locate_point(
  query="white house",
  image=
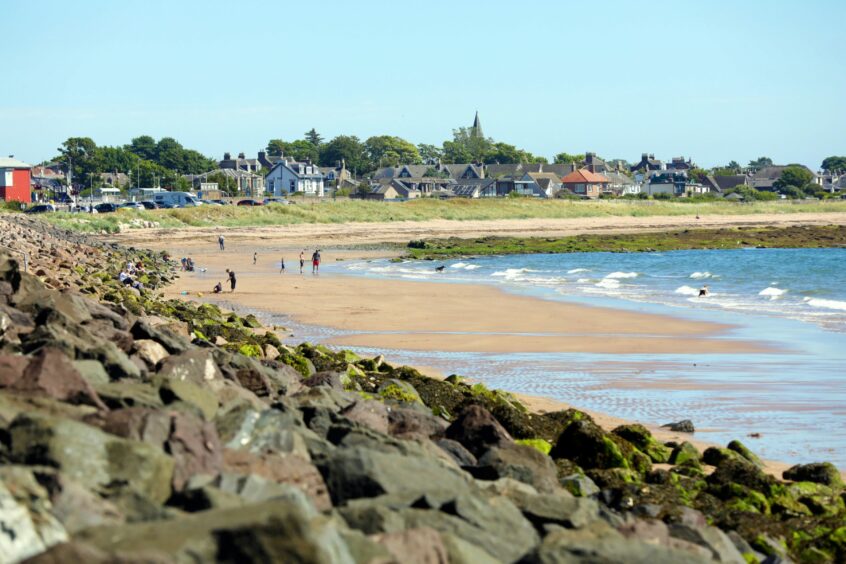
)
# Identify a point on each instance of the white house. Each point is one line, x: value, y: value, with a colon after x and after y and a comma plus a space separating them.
x: 288, y: 176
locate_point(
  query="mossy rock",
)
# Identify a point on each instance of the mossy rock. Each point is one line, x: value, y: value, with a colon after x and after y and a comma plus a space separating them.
x: 717, y: 455
x: 742, y: 450
x: 642, y: 439
x: 399, y: 391
x: 252, y: 321
x: 614, y: 478
x: 540, y: 445
x: 586, y: 444
x: 690, y: 468
x: 298, y: 362
x: 819, y: 472
x: 350, y: 357
x: 685, y: 453
x: 253, y: 351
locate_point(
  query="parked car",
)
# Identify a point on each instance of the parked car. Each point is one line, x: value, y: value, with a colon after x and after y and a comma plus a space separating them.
x: 82, y: 208
x: 281, y: 201
x: 106, y: 208
x: 149, y: 205
x: 249, y: 203
x: 132, y: 206
x: 42, y: 208
x: 169, y: 205
x: 220, y: 202
x: 182, y: 199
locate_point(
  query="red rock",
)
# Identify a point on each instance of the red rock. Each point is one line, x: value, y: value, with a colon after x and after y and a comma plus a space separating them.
x: 51, y: 373
x: 195, y: 448
x: 11, y: 369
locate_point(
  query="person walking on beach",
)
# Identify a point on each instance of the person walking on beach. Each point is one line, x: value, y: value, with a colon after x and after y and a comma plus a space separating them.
x: 282, y: 265
x: 255, y: 256
x: 220, y: 241
x: 703, y: 291
x: 302, y: 260
x: 315, y: 262
x: 231, y: 279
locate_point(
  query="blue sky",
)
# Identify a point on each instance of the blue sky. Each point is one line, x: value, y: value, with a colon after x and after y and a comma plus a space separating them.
x: 716, y: 80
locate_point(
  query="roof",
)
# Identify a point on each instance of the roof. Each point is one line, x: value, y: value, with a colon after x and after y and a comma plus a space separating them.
x: 496, y: 170
x: 10, y: 162
x: 538, y: 176
x: 618, y: 178
x: 583, y: 176
x: 726, y: 182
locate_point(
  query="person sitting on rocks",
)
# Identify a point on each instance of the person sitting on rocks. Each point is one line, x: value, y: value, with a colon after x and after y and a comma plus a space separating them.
x: 218, y: 288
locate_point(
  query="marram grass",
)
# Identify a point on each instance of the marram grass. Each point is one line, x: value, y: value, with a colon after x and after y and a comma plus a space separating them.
x: 346, y: 211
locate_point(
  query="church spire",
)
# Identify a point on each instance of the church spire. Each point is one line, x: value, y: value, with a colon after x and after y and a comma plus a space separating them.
x: 476, y: 130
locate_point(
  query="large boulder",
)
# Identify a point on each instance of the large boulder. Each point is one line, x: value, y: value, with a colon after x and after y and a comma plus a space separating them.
x: 53, y: 374
x: 586, y: 444
x: 642, y: 439
x: 477, y: 430
x: 27, y: 525
x: 819, y: 472
x: 352, y: 473
x: 274, y: 531
x: 520, y: 462
x: 90, y: 456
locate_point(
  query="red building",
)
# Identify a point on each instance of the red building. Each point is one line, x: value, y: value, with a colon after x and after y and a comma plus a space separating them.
x: 15, y: 181
x: 585, y: 183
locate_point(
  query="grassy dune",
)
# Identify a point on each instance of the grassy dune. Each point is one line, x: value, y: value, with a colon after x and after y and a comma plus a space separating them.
x: 344, y: 211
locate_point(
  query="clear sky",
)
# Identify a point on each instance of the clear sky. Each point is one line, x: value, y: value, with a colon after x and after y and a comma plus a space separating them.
x: 716, y: 80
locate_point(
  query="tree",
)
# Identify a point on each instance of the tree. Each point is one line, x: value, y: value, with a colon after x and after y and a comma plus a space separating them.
x: 224, y: 183
x: 313, y: 137
x: 276, y: 147
x: 115, y: 159
x: 698, y: 174
x: 81, y: 154
x: 387, y: 150
x: 725, y: 171
x: 503, y: 153
x: 834, y: 163
x: 797, y: 176
x: 169, y: 153
x: 566, y: 158
x: 735, y: 166
x: 144, y: 146
x: 760, y: 163
x: 466, y: 146
x: 299, y: 150
x: 430, y: 154
x: 348, y: 148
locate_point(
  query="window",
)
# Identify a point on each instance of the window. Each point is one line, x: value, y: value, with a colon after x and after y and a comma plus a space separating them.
x: 293, y: 186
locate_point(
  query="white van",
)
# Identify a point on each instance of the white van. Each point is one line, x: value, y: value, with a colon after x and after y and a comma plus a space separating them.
x: 183, y: 199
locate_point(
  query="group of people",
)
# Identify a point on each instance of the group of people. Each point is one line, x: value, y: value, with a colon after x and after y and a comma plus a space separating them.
x: 128, y: 277
x: 188, y: 264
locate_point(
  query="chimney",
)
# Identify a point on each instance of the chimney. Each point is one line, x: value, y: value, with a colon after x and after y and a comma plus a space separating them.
x: 241, y: 156
x: 262, y: 156
x: 227, y: 156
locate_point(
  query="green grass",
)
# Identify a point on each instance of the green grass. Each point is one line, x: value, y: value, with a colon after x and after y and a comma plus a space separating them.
x: 344, y: 211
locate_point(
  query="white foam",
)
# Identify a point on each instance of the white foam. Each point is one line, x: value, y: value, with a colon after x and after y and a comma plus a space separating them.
x: 700, y: 275
x: 584, y: 281
x: 618, y: 275
x: 577, y: 270
x: 609, y: 283
x: 458, y: 265
x: 772, y: 293
x: 471, y: 267
x: 826, y: 304
x: 512, y: 273
x: 687, y: 291
x: 464, y: 266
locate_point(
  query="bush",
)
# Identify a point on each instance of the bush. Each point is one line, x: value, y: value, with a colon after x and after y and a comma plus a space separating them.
x: 662, y: 196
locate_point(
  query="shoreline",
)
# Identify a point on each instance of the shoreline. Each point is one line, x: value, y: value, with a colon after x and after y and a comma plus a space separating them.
x: 317, y: 299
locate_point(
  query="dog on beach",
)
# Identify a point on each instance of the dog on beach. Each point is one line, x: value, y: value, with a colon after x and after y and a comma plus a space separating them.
x: 440, y: 268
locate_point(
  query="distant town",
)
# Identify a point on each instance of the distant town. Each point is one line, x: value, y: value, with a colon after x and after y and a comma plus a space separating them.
x: 389, y: 168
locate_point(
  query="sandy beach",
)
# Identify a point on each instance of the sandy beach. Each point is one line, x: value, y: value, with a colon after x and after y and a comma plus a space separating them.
x: 429, y: 316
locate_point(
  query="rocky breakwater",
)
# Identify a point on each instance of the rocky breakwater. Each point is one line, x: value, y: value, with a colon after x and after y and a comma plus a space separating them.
x: 140, y: 430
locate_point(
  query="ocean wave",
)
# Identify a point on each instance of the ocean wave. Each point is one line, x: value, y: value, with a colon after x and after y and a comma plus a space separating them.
x: 687, y: 291
x: 772, y: 293
x: 464, y: 266
x: 608, y: 283
x: 577, y: 270
x: 700, y: 275
x: 618, y: 275
x: 826, y: 304
x: 584, y: 281
x: 512, y: 273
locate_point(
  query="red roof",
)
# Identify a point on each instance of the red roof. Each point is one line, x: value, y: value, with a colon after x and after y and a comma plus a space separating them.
x: 584, y: 176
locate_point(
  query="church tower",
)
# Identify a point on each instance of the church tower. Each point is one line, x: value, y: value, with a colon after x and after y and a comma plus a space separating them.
x: 476, y: 129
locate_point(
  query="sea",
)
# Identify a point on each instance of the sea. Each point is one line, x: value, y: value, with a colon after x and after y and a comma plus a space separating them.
x: 787, y: 404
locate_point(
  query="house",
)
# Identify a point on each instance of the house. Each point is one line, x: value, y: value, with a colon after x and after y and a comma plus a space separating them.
x: 594, y: 163
x: 247, y: 183
x: 621, y: 184
x: 425, y: 184
x: 678, y: 163
x: 48, y: 178
x: 335, y: 175
x: 674, y: 182
x: 114, y: 179
x: 541, y: 184
x: 765, y: 178
x: 585, y: 183
x: 288, y: 177
x: 725, y: 182
x: 387, y: 190
x: 240, y: 163
x: 647, y: 163
x: 475, y: 188
x: 15, y: 180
